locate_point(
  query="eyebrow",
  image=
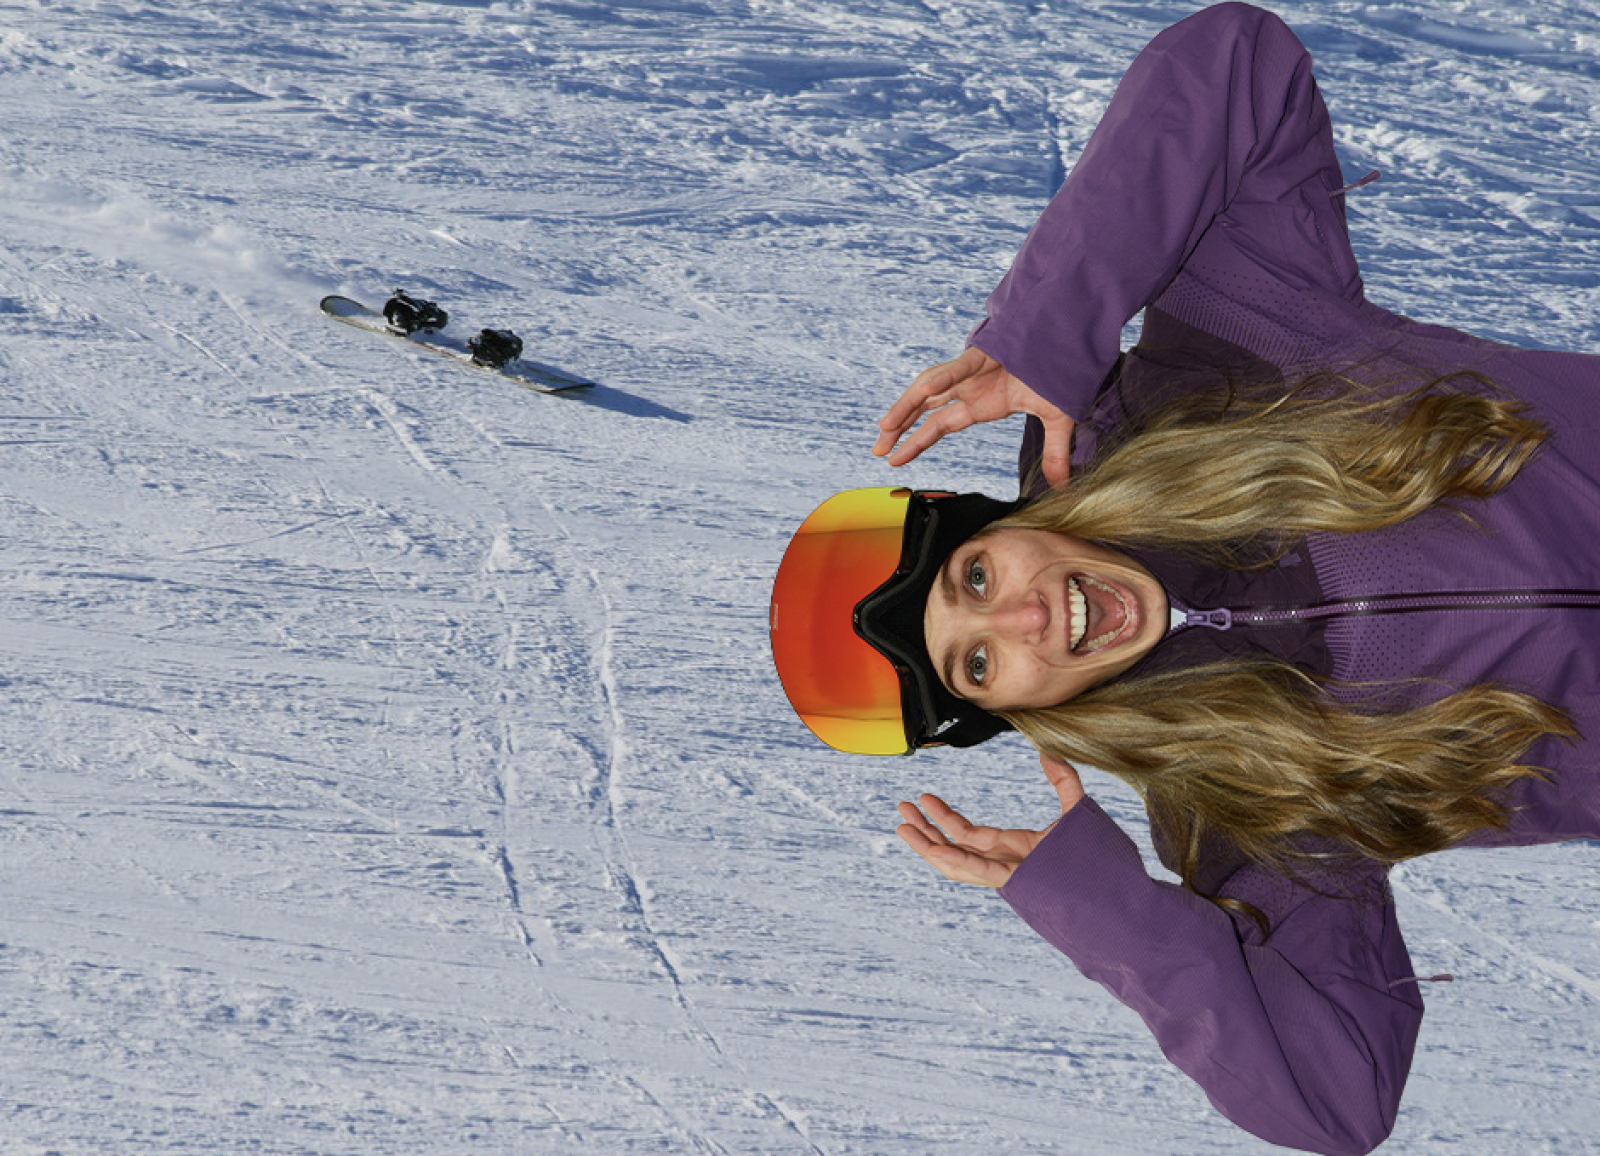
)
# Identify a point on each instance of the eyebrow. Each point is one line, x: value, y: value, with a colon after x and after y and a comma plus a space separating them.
x: 948, y: 589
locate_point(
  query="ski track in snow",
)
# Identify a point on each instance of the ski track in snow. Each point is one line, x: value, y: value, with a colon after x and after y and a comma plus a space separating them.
x: 394, y: 760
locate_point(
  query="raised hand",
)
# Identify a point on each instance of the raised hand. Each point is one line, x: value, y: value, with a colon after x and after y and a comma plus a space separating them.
x: 966, y: 853
x: 970, y: 389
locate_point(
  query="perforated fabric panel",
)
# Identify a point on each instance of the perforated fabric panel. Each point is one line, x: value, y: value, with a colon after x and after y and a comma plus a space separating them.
x: 1253, y: 311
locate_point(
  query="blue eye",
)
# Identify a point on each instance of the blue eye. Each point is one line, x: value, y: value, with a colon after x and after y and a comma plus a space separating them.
x: 978, y: 665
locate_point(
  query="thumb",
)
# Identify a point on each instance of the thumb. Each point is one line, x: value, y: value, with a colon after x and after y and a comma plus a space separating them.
x: 1055, y: 464
x: 1056, y: 461
x: 1064, y: 778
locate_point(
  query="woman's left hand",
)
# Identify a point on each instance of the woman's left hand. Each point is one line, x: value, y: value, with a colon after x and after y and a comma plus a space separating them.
x: 972, y: 388
x: 967, y: 853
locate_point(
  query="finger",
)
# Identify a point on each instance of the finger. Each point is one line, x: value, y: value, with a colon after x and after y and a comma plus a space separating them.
x: 948, y: 818
x: 953, y: 863
x: 948, y: 374
x: 906, y: 413
x: 946, y: 420
x: 913, y: 837
x: 904, y: 410
x: 917, y: 822
x: 1064, y: 778
x: 889, y: 435
x: 1054, y: 766
x: 956, y: 832
x: 930, y: 383
x: 937, y: 850
x: 1056, y: 461
x: 928, y: 388
x: 1057, y: 770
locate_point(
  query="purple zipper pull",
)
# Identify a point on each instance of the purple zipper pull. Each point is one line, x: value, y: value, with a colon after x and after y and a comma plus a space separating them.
x: 1183, y: 618
x: 1362, y: 183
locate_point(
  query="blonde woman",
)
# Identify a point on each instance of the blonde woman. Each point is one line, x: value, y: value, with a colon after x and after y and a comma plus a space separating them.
x: 1319, y: 581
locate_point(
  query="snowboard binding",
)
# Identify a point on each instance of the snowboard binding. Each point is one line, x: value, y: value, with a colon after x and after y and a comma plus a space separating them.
x: 495, y: 348
x: 408, y: 314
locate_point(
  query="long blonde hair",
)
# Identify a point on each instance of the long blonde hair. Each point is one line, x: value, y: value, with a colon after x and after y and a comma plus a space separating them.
x: 1254, y: 750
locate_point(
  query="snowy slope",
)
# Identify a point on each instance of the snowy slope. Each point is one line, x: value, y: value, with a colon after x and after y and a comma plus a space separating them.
x: 393, y: 762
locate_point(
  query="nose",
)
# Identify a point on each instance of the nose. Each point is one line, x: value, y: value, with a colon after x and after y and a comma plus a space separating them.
x: 1023, y: 618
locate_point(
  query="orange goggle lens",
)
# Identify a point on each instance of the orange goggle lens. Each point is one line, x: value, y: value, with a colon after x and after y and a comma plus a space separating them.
x: 843, y: 689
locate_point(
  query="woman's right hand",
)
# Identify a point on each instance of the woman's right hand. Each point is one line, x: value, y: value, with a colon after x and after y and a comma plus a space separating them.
x: 970, y: 389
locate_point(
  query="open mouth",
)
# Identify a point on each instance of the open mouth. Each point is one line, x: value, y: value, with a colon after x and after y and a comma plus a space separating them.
x: 1100, y: 614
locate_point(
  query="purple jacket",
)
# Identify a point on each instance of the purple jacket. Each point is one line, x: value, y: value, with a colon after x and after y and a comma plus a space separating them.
x: 1210, y: 194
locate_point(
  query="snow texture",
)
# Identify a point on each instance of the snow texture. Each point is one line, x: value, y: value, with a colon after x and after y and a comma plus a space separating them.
x: 393, y: 759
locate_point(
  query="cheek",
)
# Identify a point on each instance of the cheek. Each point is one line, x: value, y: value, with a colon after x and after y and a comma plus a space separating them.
x: 1032, y: 684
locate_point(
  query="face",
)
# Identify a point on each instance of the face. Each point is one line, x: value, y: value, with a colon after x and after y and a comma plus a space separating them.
x: 1031, y: 618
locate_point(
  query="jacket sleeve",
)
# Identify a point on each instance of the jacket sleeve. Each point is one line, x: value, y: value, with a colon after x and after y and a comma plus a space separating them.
x: 1217, y: 122
x: 1304, y: 1041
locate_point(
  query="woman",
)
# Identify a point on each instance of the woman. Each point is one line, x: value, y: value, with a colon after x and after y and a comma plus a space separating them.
x: 1319, y: 586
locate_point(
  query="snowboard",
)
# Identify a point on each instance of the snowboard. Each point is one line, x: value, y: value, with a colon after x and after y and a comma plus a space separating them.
x: 531, y: 374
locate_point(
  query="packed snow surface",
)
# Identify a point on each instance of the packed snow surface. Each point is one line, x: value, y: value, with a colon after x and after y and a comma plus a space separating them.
x: 393, y: 759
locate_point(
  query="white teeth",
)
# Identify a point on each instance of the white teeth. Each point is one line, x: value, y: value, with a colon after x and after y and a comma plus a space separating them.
x: 1078, y: 605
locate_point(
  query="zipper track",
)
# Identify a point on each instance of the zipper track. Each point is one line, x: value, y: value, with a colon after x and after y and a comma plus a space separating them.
x: 1224, y: 619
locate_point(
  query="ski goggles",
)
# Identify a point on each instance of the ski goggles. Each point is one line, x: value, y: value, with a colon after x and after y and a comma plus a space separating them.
x: 846, y: 620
